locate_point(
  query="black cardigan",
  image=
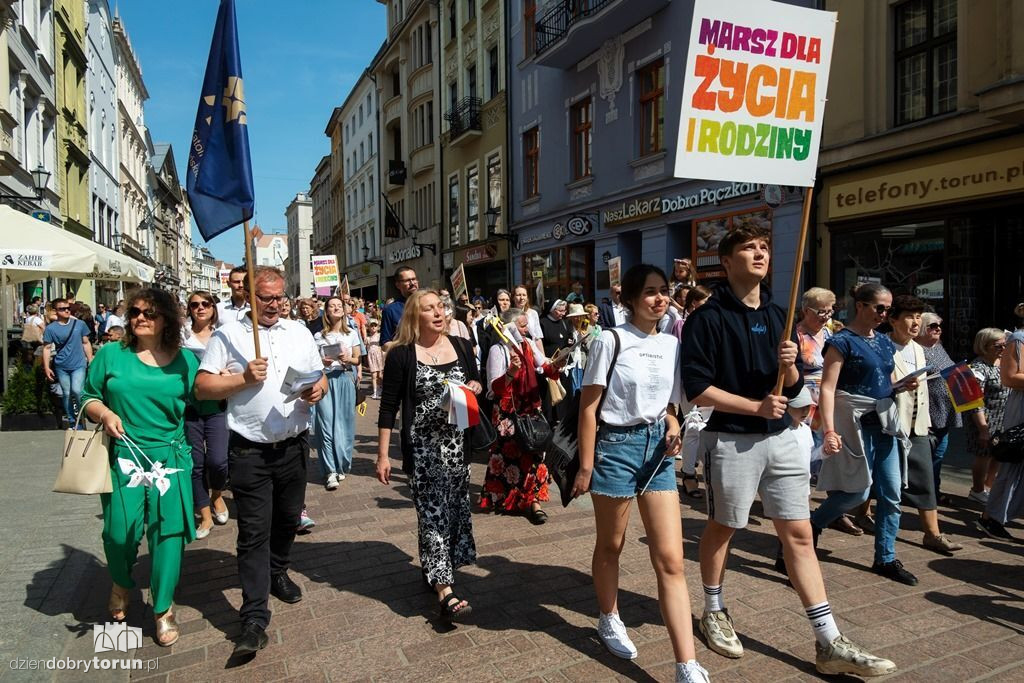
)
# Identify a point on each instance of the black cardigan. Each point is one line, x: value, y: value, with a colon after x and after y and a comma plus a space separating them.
x: 400, y: 391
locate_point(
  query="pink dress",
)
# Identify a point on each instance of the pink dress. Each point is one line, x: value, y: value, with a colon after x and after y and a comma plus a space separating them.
x: 374, y: 356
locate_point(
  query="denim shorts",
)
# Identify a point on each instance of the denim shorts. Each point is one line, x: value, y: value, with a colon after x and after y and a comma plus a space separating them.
x: 628, y: 460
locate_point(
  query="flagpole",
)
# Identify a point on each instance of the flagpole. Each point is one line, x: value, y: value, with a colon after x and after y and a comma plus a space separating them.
x: 801, y: 247
x: 252, y: 290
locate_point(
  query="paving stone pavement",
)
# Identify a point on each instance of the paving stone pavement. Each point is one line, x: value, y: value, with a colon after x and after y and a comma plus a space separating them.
x: 366, y: 617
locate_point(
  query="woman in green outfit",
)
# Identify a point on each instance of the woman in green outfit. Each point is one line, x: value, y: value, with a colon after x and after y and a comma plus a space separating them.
x: 139, y: 389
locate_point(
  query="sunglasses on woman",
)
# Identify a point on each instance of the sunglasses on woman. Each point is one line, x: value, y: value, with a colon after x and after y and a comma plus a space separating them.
x: 149, y: 314
x: 880, y: 309
x: 199, y: 304
x: 934, y: 326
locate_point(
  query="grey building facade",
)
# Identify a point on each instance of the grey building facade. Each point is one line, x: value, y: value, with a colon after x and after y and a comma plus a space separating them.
x: 594, y: 99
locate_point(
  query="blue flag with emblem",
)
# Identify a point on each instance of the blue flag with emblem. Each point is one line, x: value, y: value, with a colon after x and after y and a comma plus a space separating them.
x: 219, y: 182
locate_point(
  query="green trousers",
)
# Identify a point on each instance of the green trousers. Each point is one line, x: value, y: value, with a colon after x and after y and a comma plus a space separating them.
x: 130, y: 512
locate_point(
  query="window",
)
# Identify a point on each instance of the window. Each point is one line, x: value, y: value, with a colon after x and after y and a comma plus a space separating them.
x: 452, y: 26
x: 473, y: 203
x: 396, y: 83
x: 471, y: 81
x: 453, y: 211
x: 369, y: 183
x: 369, y: 108
x: 369, y: 143
x: 926, y: 59
x: 430, y: 122
x: 453, y: 96
x: 360, y: 114
x: 530, y: 27
x: 492, y: 72
x: 531, y: 160
x: 470, y: 9
x: 494, y: 187
x: 581, y: 123
x: 652, y: 107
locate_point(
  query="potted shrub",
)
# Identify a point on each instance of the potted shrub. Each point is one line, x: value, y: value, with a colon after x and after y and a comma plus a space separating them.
x: 26, y: 405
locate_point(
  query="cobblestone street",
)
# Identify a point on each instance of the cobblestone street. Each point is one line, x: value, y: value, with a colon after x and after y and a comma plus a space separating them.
x: 365, y: 615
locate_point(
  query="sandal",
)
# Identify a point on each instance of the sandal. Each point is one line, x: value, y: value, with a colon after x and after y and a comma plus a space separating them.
x: 537, y: 517
x: 118, y: 603
x: 845, y: 524
x: 695, y: 491
x: 450, y: 610
x: 166, y: 625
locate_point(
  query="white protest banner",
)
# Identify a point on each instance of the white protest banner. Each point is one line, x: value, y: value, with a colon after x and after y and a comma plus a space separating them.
x: 459, y: 287
x: 754, y: 92
x: 325, y: 274
x: 615, y: 271
x: 344, y: 290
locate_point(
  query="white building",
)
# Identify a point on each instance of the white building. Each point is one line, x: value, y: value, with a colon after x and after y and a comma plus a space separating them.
x: 204, y: 271
x: 298, y: 273
x: 362, y: 236
x: 271, y: 248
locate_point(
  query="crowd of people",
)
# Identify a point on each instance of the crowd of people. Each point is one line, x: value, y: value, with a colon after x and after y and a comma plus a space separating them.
x: 664, y: 369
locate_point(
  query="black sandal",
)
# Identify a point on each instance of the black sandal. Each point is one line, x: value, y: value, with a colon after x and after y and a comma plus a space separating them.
x: 695, y: 492
x: 451, y: 612
x: 537, y: 517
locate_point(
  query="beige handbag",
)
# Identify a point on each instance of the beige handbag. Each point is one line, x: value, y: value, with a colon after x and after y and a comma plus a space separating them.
x: 556, y: 392
x: 85, y: 465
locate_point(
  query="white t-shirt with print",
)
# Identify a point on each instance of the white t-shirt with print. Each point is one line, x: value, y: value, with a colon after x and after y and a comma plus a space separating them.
x: 348, y: 341
x: 645, y: 380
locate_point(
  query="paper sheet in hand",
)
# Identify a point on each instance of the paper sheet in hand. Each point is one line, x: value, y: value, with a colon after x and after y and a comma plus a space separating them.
x: 296, y: 382
x: 330, y: 351
x: 900, y: 383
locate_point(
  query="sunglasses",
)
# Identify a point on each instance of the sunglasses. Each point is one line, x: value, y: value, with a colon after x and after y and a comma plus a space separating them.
x: 149, y: 314
x: 934, y: 326
x: 199, y: 304
x: 999, y: 345
x: 824, y: 312
x: 880, y: 309
x: 62, y: 308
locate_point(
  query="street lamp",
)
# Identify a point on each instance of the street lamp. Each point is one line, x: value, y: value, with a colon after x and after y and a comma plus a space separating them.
x: 366, y: 257
x: 40, y: 178
x: 116, y: 239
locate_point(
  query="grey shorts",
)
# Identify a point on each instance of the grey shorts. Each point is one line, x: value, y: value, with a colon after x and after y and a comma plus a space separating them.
x: 737, y: 467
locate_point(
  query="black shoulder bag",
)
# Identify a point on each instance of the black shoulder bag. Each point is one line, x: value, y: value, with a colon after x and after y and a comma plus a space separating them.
x: 563, y: 457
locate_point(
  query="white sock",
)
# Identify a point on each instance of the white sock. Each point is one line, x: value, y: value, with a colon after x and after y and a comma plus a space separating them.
x: 713, y: 598
x: 823, y: 623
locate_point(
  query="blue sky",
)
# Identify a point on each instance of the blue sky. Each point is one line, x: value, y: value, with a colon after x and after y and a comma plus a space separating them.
x: 299, y: 61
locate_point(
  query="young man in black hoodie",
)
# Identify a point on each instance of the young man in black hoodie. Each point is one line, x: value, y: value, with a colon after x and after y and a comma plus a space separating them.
x: 732, y: 354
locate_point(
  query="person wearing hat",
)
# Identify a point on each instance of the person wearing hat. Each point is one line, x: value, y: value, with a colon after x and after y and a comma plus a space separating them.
x: 580, y: 321
x: 374, y: 356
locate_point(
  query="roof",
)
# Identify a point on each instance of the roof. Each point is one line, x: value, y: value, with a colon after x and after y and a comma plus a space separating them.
x: 268, y: 239
x: 160, y: 150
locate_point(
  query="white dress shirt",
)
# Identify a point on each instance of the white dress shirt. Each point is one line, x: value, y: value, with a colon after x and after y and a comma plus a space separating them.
x: 259, y: 412
x: 227, y: 312
x: 114, y: 320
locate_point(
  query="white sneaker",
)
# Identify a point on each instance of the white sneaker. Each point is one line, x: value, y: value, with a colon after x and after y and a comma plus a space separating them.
x: 332, y: 481
x: 691, y: 672
x: 613, y: 634
x: 341, y: 476
x: 980, y: 496
x: 716, y: 625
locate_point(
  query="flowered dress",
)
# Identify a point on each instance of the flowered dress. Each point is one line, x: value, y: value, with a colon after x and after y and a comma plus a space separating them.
x: 374, y: 356
x: 440, y: 478
x: 995, y: 402
x: 515, y: 480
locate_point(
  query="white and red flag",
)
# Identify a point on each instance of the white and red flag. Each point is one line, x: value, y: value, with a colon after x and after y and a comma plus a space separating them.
x: 463, y: 410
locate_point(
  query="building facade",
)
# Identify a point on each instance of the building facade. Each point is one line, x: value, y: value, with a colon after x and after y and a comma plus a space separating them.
x: 473, y: 141
x: 204, y: 271
x: 133, y: 151
x: 271, y: 248
x: 168, y: 221
x: 921, y: 172
x: 358, y: 122
x: 28, y: 111
x: 409, y: 150
x: 73, y: 159
x: 320, y: 196
x: 593, y: 107
x: 298, y: 273
x: 335, y: 132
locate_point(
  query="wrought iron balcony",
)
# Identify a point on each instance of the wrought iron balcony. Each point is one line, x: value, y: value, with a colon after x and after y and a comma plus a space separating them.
x: 572, y: 29
x: 465, y: 117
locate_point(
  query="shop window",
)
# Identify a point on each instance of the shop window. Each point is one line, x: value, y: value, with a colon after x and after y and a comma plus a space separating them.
x: 560, y: 268
x: 925, y: 59
x: 473, y: 203
x: 531, y: 161
x: 581, y: 122
x: 453, y: 211
x: 707, y: 233
x: 494, y: 188
x: 652, y: 107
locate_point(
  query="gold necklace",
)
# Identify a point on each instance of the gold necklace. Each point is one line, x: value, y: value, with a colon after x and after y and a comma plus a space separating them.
x: 427, y: 351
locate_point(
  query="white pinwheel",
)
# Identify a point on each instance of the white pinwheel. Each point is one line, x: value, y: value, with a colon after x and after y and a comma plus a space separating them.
x: 156, y: 475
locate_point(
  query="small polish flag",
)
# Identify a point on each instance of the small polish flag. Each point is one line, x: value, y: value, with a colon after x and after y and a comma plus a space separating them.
x: 463, y: 410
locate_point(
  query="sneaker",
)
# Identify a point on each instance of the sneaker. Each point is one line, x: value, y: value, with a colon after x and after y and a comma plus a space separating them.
x: 341, y: 476
x: 979, y: 496
x: 844, y: 657
x: 894, y: 570
x: 993, y: 529
x: 941, y: 544
x: 691, y: 672
x: 613, y: 634
x: 719, y: 632
x: 332, y: 482
x: 306, y: 522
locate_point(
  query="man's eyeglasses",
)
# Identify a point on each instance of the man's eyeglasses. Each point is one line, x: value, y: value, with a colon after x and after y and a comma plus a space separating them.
x: 266, y: 300
x: 934, y: 326
x: 61, y: 309
x: 148, y: 313
x: 199, y: 304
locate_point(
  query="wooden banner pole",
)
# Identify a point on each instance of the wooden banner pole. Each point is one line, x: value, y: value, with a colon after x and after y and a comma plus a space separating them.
x: 252, y: 290
x: 794, y: 286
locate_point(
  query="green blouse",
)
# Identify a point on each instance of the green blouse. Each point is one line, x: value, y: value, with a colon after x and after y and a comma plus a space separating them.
x: 149, y: 400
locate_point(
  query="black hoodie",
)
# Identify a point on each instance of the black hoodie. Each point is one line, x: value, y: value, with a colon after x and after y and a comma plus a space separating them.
x: 731, y: 346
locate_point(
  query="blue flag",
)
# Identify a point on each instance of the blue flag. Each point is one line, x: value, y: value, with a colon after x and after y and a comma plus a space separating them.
x: 219, y: 183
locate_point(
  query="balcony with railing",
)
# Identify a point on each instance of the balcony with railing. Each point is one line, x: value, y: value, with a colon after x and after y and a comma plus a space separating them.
x: 572, y: 29
x: 464, y: 121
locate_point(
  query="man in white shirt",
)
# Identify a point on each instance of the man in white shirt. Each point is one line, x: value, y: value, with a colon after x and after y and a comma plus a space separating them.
x: 267, y: 445
x: 237, y: 306
x: 116, y: 317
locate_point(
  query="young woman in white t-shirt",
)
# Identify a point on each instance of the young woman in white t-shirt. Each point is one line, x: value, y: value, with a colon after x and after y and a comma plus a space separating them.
x: 628, y: 452
x: 335, y: 415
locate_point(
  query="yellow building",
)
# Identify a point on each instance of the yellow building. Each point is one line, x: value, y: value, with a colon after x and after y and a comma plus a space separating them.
x: 921, y: 172
x: 72, y: 116
x: 473, y: 141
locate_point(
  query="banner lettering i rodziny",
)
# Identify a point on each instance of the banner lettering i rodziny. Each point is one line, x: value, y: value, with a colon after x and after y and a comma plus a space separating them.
x: 754, y: 92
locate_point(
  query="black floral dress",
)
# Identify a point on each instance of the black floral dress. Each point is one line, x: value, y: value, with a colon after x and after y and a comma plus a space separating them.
x: 995, y: 403
x: 440, y: 478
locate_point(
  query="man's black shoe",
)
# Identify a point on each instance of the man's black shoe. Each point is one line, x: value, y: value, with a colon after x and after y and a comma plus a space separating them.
x: 253, y: 639
x: 894, y: 570
x: 284, y: 589
x: 993, y: 529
